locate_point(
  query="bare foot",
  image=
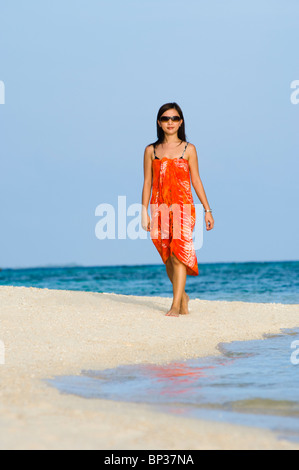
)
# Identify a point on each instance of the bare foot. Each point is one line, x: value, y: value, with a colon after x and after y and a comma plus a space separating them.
x: 184, y: 304
x: 173, y: 312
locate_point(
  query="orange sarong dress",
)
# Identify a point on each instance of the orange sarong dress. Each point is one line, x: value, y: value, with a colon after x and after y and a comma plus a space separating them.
x: 173, y: 211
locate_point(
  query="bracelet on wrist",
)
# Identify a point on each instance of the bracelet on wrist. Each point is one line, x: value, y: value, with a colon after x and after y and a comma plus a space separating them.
x: 209, y: 210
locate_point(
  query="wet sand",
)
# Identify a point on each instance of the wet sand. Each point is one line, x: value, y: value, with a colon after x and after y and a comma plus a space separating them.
x: 51, y: 332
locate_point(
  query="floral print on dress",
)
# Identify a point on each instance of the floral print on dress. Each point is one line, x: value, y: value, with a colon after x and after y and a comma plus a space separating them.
x: 173, y: 212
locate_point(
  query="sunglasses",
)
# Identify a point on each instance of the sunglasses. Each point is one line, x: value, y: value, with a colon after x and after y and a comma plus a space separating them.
x: 167, y: 118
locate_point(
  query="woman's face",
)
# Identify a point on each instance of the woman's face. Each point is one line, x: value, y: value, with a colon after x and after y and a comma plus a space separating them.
x: 170, y: 127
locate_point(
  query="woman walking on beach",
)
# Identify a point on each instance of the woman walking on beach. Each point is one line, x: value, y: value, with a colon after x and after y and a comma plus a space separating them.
x: 170, y: 165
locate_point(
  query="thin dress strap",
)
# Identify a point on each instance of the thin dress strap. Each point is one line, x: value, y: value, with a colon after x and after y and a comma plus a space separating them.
x: 185, y: 150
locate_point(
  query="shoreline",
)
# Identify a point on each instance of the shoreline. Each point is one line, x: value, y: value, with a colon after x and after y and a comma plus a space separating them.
x: 47, y: 333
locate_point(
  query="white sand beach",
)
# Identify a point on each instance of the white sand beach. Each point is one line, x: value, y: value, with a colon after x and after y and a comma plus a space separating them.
x: 51, y: 332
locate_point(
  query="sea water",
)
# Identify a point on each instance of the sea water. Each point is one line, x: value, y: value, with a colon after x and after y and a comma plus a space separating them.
x: 248, y: 282
x: 252, y: 383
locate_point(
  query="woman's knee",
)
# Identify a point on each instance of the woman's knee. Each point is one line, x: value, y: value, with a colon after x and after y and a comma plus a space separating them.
x: 175, y: 260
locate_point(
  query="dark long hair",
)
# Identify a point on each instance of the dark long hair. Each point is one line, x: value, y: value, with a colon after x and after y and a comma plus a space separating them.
x: 160, y: 132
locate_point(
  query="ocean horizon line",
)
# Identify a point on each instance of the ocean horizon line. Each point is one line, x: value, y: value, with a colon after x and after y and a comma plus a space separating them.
x: 75, y: 265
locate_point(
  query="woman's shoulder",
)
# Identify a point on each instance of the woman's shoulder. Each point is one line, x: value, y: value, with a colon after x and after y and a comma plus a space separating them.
x: 190, y: 146
x: 149, y: 152
x: 190, y: 150
x: 149, y: 147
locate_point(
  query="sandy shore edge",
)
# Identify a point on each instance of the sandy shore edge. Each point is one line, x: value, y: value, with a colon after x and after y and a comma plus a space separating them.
x: 53, y: 332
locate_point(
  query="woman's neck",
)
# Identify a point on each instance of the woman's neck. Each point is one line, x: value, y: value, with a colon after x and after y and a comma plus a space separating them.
x: 171, y: 139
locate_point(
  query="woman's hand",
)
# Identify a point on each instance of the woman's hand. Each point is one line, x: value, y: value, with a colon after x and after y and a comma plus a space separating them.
x: 146, y: 222
x: 209, y: 220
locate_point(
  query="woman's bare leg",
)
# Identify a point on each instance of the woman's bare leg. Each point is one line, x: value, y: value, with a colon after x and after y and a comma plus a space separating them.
x: 185, y: 299
x: 169, y: 269
x: 177, y: 274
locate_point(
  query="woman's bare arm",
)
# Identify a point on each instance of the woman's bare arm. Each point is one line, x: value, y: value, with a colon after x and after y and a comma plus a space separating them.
x: 197, y: 184
x: 147, y: 186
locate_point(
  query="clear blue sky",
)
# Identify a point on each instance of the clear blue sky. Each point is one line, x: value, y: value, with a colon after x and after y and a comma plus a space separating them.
x: 83, y: 84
